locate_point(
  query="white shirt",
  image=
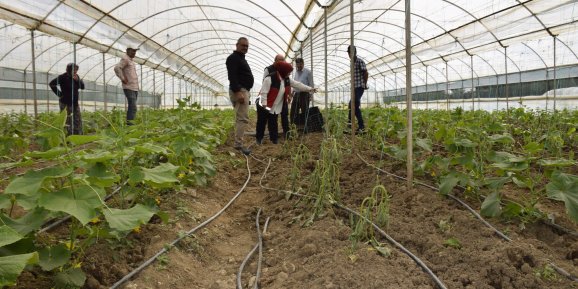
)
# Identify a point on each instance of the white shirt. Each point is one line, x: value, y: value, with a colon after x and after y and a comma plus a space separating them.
x: 278, y: 104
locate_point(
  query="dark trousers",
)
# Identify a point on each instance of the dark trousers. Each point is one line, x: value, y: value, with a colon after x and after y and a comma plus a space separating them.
x: 300, y: 105
x: 264, y: 117
x: 61, y: 105
x: 131, y: 97
x: 73, y: 119
x: 358, y: 94
x: 285, y: 119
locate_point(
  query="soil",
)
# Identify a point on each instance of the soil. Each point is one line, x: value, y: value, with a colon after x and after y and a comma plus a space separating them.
x: 298, y: 254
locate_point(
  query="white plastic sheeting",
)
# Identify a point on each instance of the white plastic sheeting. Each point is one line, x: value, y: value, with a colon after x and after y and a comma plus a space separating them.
x: 191, y: 39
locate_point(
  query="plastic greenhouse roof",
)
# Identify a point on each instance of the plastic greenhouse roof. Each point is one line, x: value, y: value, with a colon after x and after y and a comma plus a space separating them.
x: 191, y: 39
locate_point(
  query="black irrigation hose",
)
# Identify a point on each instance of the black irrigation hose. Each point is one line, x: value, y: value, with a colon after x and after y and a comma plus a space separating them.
x: 53, y: 224
x: 258, y: 246
x: 563, y: 272
x: 558, y: 269
x: 398, y: 245
x: 260, y: 260
x: 502, y: 235
x: 190, y: 232
x: 390, y: 239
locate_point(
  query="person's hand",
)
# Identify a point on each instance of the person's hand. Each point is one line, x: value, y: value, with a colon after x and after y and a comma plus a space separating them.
x: 365, y: 86
x: 75, y: 77
x: 313, y: 90
x: 124, y: 81
x: 240, y: 97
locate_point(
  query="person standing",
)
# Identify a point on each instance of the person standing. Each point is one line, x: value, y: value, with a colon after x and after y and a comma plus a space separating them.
x: 285, y: 110
x: 275, y: 90
x: 300, y: 104
x: 69, y: 83
x: 240, y: 83
x: 126, y: 71
x: 360, y: 84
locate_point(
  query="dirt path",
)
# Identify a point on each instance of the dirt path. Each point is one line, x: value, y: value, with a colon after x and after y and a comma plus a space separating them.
x: 458, y: 248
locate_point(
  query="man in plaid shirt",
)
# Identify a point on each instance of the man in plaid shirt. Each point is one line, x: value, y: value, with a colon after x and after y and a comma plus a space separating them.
x: 360, y: 85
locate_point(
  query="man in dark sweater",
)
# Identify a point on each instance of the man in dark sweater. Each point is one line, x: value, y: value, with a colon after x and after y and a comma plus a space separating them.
x: 240, y: 83
x: 69, y: 83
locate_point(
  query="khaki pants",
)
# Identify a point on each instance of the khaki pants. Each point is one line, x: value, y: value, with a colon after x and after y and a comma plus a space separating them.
x: 241, y: 116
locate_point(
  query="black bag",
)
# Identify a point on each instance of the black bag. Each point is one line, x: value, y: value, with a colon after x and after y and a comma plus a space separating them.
x: 314, y: 120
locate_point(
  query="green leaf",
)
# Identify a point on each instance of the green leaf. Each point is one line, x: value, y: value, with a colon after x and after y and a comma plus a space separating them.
x: 30, y: 222
x: 99, y: 175
x: 564, y: 187
x: 505, y: 138
x: 491, y: 205
x: 464, y: 142
x: 82, y: 139
x: 162, y: 175
x: 126, y: 220
x: 558, y: 163
x: 8, y: 236
x: 11, y: 267
x: 72, y: 278
x: 5, y: 201
x: 448, y: 182
x: 534, y: 147
x: 149, y: 148
x: 199, y: 152
x: 453, y: 242
x: 53, y: 257
x: 53, y: 132
x: 181, y: 144
x: 30, y: 183
x: 49, y: 154
x: 425, y: 144
x: 98, y: 157
x: 497, y: 183
x: 523, y: 182
x: 80, y: 203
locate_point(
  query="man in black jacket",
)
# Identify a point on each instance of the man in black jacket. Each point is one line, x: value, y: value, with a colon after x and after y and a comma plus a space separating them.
x: 69, y: 83
x: 240, y: 83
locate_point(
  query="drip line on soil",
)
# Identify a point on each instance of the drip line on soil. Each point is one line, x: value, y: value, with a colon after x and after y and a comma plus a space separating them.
x: 398, y: 245
x: 558, y: 269
x: 389, y: 238
x: 550, y: 223
x: 258, y: 246
x: 502, y: 235
x: 187, y: 234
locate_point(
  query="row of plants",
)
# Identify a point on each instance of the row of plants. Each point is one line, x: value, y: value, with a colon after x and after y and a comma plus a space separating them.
x: 510, y: 160
x: 164, y: 152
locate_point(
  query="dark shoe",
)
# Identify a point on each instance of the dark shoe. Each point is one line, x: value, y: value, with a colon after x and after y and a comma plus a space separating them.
x: 259, y: 141
x: 244, y: 150
x: 274, y: 141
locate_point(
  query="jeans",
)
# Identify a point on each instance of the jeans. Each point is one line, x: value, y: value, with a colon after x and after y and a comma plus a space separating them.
x: 131, y: 97
x: 358, y: 94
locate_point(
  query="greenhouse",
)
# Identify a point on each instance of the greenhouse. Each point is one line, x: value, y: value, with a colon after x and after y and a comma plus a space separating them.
x: 142, y: 148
